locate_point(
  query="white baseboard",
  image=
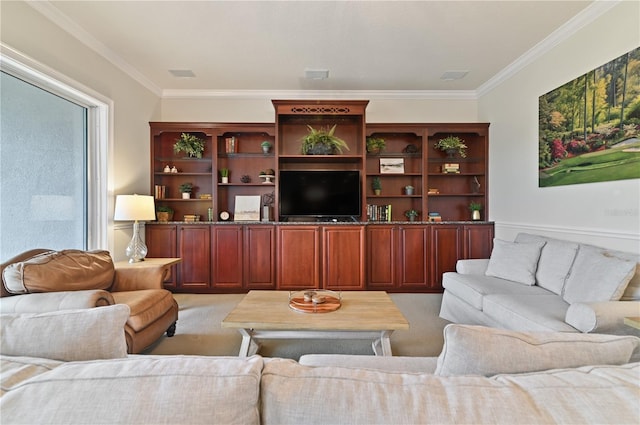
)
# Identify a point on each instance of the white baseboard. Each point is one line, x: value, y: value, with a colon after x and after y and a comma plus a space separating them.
x: 623, y: 241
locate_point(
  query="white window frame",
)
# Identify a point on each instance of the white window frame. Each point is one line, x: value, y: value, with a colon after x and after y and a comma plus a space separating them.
x: 99, y: 137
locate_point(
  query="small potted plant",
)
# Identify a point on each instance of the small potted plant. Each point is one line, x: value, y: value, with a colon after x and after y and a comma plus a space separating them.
x: 475, y: 208
x: 452, y: 145
x: 322, y: 142
x: 191, y: 145
x: 224, y: 175
x: 164, y: 213
x: 375, y: 145
x: 408, y: 190
x: 186, y: 189
x: 266, y: 146
x: 411, y: 214
x: 376, y: 185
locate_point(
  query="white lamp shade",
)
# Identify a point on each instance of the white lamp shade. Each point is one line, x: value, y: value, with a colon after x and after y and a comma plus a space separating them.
x: 134, y: 207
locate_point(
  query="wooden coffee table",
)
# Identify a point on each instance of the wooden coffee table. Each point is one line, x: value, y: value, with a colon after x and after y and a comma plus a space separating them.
x: 362, y: 315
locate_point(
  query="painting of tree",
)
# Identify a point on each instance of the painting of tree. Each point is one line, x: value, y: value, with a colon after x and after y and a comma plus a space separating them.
x: 589, y: 128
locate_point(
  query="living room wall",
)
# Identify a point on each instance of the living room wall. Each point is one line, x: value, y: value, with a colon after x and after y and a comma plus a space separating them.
x: 606, y: 213
x: 27, y: 31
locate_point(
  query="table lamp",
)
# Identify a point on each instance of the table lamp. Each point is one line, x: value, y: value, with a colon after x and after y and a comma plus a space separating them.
x: 134, y: 208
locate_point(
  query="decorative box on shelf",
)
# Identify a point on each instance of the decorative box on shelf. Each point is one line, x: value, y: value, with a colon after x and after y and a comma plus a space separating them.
x: 451, y: 168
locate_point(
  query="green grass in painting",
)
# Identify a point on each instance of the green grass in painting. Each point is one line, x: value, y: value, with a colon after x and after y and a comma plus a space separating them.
x: 607, y: 165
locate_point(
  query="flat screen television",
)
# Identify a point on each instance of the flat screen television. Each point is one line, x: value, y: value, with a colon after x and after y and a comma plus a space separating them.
x: 322, y: 194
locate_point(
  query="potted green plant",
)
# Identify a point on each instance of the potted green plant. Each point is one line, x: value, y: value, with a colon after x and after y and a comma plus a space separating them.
x: 322, y: 142
x: 376, y: 185
x: 191, y: 145
x: 408, y: 190
x: 164, y: 213
x: 266, y: 146
x: 475, y: 208
x: 224, y: 175
x: 452, y: 145
x: 375, y: 145
x: 186, y: 189
x: 411, y: 214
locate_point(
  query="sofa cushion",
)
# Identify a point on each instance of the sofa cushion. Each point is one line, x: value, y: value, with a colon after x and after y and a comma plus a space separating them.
x: 597, y: 276
x: 141, y: 390
x: 146, y: 305
x: 538, y: 313
x: 295, y: 394
x: 556, y: 259
x: 479, y: 350
x: 514, y: 261
x: 472, y: 288
x: 385, y: 363
x: 16, y: 369
x: 54, y: 271
x: 67, y: 335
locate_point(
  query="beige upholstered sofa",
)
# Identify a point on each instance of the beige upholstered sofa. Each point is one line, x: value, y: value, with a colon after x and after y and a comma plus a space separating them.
x: 44, y: 280
x: 483, y: 375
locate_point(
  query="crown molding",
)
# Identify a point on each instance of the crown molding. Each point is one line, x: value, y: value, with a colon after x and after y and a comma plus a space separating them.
x: 323, y: 94
x: 63, y: 21
x: 573, y: 25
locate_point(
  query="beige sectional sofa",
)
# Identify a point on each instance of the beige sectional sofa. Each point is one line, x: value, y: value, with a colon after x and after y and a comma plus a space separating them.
x: 483, y: 375
x: 538, y: 283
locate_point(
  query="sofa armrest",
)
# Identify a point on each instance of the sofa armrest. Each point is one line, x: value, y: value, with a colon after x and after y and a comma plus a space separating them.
x: 53, y: 301
x: 474, y: 266
x: 603, y: 317
x: 135, y: 279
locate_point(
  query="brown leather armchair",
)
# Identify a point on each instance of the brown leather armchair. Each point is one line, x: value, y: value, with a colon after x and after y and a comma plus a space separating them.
x: 42, y: 280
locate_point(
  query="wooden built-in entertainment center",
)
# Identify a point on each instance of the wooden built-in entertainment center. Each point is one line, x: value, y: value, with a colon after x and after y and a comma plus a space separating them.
x: 393, y: 255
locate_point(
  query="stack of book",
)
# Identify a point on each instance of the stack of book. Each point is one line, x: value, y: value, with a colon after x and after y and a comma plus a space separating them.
x: 160, y: 191
x: 378, y: 212
x: 231, y: 145
x: 451, y: 168
x: 434, y: 216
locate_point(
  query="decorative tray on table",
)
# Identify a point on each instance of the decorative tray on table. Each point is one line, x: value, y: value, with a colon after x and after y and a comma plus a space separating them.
x: 314, y: 300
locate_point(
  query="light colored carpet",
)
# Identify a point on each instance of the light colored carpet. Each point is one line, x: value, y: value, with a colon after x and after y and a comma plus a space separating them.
x: 199, y: 331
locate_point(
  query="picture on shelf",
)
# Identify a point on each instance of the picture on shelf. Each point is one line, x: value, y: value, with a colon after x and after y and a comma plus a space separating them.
x: 391, y: 165
x: 247, y: 208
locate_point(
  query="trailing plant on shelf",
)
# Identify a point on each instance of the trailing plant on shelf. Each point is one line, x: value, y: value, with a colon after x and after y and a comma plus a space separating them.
x: 376, y: 185
x: 191, y: 145
x: 375, y: 144
x: 452, y: 145
x: 323, y: 142
x: 411, y: 214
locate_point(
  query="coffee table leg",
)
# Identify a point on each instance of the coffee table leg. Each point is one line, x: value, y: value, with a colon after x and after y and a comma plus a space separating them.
x: 249, y: 346
x: 382, y: 345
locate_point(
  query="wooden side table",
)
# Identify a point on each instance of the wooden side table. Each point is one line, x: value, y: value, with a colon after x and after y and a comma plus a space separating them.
x: 164, y: 264
x: 634, y: 322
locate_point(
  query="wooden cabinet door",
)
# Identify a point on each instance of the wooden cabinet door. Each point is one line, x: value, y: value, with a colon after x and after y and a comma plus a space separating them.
x: 226, y: 270
x: 194, y: 247
x: 413, y: 256
x: 343, y: 248
x: 478, y: 241
x: 382, y: 246
x: 298, y: 257
x: 259, y: 257
x: 446, y: 249
x: 161, y: 243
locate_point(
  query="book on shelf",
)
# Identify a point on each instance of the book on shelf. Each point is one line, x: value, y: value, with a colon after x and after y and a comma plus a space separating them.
x: 160, y: 191
x: 379, y: 212
x: 451, y: 168
x: 434, y: 216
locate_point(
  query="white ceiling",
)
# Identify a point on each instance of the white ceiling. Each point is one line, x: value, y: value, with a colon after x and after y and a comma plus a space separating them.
x: 267, y: 45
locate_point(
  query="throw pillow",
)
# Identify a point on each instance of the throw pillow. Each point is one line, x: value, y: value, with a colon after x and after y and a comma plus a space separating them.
x: 479, y: 350
x: 556, y: 259
x: 54, y: 271
x: 597, y: 276
x: 514, y: 261
x: 67, y: 335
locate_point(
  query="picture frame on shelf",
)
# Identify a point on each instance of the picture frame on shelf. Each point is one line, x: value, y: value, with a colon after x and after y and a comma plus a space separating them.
x: 391, y: 165
x: 247, y: 208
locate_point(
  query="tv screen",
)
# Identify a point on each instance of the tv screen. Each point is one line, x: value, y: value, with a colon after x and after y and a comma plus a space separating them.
x: 320, y: 193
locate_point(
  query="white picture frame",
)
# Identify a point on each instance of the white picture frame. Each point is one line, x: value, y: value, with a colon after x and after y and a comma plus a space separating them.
x: 391, y: 165
x: 247, y: 208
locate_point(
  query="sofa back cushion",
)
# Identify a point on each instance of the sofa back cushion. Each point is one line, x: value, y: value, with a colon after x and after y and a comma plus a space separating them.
x: 54, y: 271
x: 479, y: 350
x: 597, y: 276
x: 514, y: 261
x: 556, y: 259
x: 67, y: 335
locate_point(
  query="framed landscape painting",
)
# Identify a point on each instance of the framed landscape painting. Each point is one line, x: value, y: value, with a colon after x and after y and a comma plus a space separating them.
x: 589, y: 128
